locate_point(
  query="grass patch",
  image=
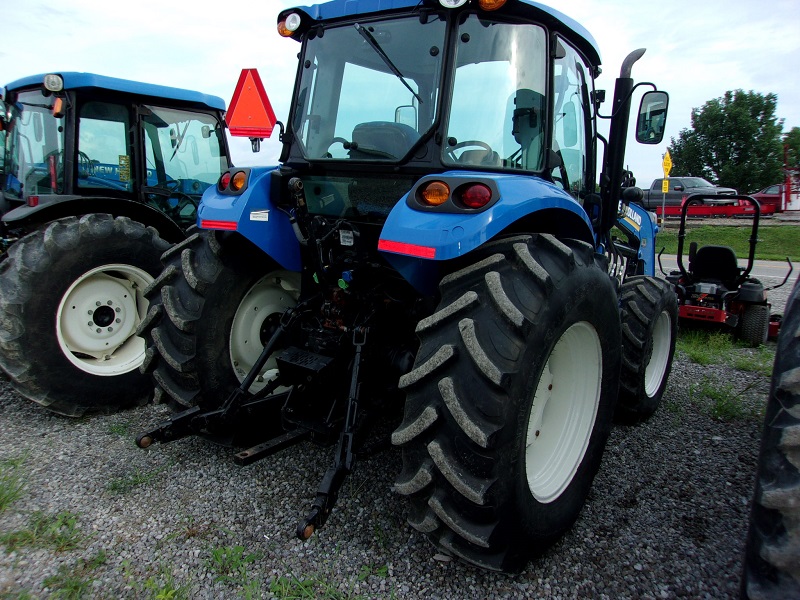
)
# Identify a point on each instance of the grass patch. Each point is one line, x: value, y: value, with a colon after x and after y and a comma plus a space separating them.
x: 161, y: 586
x: 11, y: 481
x: 705, y: 347
x: 59, y: 532
x: 775, y: 242
x: 311, y: 588
x: 230, y: 563
x: 75, y: 581
x: 124, y: 484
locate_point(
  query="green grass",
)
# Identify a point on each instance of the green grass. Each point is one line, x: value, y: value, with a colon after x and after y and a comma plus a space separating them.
x: 706, y: 347
x: 230, y: 563
x: 308, y: 588
x: 59, y: 532
x: 775, y: 242
x: 75, y: 581
x: 11, y: 481
x: 137, y: 477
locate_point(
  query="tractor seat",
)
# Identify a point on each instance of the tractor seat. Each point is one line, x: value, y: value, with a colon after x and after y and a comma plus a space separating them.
x: 715, y: 263
x: 483, y: 158
x: 382, y: 140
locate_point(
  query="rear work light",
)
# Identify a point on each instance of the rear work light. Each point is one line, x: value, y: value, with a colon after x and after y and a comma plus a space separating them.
x: 289, y: 25
x: 452, y: 3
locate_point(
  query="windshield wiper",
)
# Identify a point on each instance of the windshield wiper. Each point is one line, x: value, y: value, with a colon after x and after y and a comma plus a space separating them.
x: 379, y: 51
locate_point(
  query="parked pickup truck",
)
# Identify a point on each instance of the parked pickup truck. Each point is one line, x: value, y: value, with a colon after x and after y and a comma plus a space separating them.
x: 680, y: 188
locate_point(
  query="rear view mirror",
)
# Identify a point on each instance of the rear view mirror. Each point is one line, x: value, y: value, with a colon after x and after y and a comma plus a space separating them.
x: 652, y: 118
x: 407, y: 115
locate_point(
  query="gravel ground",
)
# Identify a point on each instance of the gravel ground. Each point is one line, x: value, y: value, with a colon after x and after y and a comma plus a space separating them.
x: 666, y: 518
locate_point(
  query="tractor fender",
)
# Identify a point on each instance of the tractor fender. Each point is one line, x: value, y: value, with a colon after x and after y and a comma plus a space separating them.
x: 415, y: 237
x: 253, y: 214
x: 641, y: 224
x: 27, y: 217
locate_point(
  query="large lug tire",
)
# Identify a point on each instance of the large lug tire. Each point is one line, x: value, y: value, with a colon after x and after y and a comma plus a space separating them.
x: 772, y: 550
x: 649, y: 314
x: 71, y: 299
x: 511, y: 399
x: 754, y: 327
x: 212, y: 309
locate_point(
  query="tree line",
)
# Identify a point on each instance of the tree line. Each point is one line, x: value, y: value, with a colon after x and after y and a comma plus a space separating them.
x: 736, y: 141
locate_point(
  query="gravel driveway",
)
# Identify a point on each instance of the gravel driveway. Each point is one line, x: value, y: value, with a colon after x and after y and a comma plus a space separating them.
x: 666, y: 518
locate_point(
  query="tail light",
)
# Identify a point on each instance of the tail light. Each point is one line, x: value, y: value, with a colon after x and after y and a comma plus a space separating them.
x: 435, y: 193
x: 476, y: 195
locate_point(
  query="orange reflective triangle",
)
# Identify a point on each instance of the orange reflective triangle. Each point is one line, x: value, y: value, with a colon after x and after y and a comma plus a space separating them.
x: 250, y: 113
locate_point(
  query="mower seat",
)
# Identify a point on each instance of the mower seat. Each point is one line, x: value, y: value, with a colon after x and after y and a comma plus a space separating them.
x: 715, y: 263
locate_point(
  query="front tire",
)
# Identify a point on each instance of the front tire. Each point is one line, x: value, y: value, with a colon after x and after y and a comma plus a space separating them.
x: 754, y: 327
x: 649, y: 313
x: 772, y: 551
x: 71, y: 299
x: 510, y: 400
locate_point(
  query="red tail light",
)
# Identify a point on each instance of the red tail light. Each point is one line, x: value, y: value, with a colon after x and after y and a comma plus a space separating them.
x: 476, y: 195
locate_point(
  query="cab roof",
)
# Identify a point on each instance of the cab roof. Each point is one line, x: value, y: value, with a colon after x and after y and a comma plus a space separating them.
x: 74, y: 81
x: 556, y: 20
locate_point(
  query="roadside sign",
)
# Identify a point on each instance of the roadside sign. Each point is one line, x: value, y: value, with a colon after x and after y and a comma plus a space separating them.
x: 250, y: 113
x: 665, y: 185
x: 667, y: 164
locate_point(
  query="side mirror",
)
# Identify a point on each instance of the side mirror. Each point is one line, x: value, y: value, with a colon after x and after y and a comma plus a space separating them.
x: 652, y: 118
x: 407, y: 115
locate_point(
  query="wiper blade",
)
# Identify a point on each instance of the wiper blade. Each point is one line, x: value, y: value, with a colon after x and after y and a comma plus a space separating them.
x: 376, y: 46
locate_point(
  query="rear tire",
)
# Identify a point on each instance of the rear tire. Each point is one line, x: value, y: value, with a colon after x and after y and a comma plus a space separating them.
x: 649, y: 312
x: 772, y: 551
x: 71, y: 298
x: 510, y: 400
x: 211, y: 311
x: 754, y: 327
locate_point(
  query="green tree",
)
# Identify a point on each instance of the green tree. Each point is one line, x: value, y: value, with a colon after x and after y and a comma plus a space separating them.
x: 792, y: 139
x: 735, y: 141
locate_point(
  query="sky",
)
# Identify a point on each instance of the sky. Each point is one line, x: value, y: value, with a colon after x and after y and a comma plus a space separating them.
x: 696, y: 51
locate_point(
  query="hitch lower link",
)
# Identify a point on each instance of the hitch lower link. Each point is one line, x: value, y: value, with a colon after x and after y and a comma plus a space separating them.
x: 204, y: 421
x: 328, y: 491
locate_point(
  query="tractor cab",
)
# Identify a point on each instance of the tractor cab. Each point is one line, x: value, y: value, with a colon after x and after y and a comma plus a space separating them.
x: 100, y: 140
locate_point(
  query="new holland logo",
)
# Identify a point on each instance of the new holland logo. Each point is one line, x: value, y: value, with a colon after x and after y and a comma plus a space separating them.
x: 631, y: 215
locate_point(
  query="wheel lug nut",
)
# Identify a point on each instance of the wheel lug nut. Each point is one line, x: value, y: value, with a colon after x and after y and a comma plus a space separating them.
x: 98, y: 330
x: 91, y: 312
x: 109, y: 303
x: 97, y: 303
x: 118, y: 309
x: 111, y: 329
x: 119, y: 320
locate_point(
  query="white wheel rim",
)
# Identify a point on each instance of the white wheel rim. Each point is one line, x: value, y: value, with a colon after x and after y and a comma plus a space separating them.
x: 657, y: 366
x: 97, y: 318
x: 563, y: 412
x: 271, y: 295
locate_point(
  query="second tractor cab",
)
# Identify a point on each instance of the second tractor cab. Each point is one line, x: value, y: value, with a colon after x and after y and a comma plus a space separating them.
x: 716, y: 290
x: 97, y: 175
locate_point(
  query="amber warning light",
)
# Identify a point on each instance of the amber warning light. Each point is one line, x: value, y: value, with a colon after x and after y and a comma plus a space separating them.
x: 250, y: 113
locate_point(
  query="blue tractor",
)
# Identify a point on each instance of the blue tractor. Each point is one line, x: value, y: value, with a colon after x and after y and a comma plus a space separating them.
x: 97, y: 176
x: 431, y: 248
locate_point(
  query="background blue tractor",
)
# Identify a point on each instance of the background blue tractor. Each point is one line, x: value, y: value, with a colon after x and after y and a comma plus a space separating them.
x: 432, y: 252
x: 97, y: 176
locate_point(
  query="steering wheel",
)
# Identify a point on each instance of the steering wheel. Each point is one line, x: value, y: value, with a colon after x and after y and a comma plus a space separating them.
x: 466, y: 144
x: 85, y: 165
x: 336, y: 140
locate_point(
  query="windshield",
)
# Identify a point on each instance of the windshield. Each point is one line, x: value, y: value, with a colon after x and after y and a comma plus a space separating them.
x: 696, y: 182
x: 497, y: 115
x: 34, y: 160
x: 369, y: 91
